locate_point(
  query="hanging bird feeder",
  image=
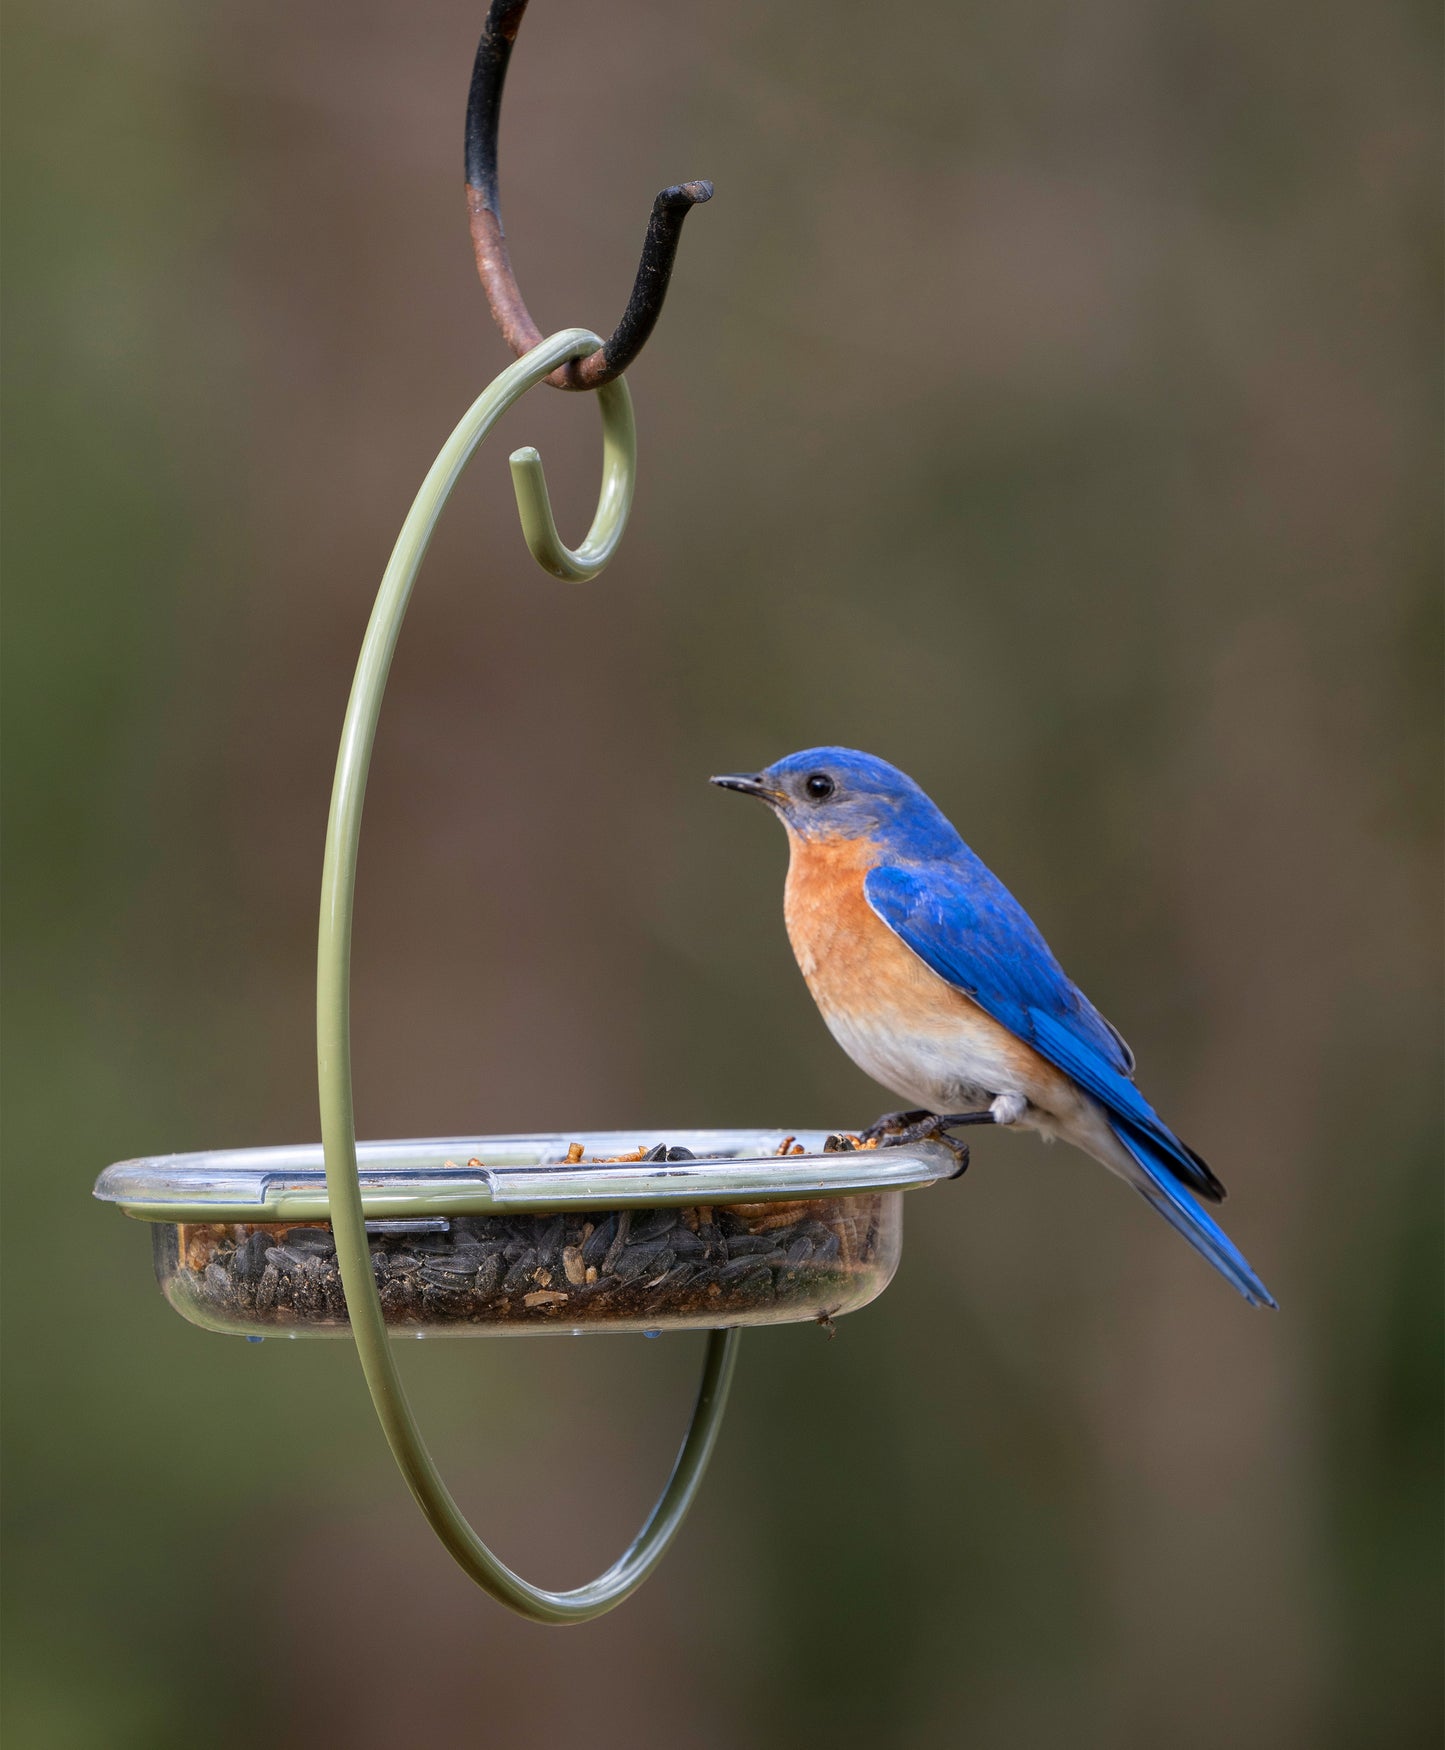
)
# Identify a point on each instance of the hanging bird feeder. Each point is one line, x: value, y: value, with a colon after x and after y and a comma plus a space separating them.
x: 683, y: 1230
x: 533, y: 1233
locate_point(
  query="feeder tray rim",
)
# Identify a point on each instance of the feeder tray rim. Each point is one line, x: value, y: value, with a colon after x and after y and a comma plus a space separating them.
x: 511, y: 1174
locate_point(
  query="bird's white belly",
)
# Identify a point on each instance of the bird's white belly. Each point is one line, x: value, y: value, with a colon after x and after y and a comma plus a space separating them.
x: 955, y: 1069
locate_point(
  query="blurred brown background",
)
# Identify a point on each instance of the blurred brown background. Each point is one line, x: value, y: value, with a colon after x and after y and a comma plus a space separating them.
x: 1047, y: 402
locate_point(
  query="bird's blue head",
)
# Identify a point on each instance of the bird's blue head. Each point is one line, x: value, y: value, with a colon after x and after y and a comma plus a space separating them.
x: 838, y: 793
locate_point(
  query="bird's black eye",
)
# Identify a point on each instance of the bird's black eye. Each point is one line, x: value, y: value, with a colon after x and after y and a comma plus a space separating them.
x: 819, y: 786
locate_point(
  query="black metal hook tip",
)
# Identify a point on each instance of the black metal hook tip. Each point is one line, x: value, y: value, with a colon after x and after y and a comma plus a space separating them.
x: 687, y: 194
x: 654, y: 272
x: 489, y: 243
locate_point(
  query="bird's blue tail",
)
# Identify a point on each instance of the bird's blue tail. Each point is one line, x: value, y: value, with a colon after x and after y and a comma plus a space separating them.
x: 1160, y: 1186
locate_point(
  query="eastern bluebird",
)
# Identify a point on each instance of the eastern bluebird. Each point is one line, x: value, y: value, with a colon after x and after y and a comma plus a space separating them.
x: 934, y: 980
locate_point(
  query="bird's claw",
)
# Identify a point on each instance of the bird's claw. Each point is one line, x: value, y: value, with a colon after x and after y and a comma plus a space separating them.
x: 892, y: 1126
x: 899, y: 1129
x: 935, y: 1129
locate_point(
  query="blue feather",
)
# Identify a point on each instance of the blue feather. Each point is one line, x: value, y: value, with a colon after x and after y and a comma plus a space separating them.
x: 1123, y: 1101
x: 961, y: 920
x: 965, y: 925
x: 1183, y: 1214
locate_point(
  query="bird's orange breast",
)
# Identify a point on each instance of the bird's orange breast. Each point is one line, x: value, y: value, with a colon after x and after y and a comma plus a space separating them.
x: 854, y: 964
x: 907, y: 1027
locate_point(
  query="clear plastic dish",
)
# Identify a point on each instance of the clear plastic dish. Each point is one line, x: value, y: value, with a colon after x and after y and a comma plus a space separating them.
x: 473, y: 1236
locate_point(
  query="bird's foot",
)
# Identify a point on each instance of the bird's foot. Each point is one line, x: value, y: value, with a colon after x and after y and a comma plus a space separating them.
x: 899, y: 1129
x: 895, y: 1129
x: 892, y: 1124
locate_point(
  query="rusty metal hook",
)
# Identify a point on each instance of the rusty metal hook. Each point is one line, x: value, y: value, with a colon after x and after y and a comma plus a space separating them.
x: 489, y: 242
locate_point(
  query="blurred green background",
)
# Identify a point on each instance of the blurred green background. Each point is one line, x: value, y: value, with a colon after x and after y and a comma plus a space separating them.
x: 1047, y: 402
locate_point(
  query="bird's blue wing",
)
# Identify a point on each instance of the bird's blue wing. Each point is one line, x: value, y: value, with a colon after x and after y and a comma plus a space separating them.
x: 961, y: 921
x: 964, y: 924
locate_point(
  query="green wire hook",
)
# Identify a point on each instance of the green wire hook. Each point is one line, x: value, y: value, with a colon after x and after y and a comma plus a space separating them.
x: 619, y: 466
x: 333, y: 987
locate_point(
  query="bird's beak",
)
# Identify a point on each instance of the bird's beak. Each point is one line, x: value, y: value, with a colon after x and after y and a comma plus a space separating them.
x: 750, y: 784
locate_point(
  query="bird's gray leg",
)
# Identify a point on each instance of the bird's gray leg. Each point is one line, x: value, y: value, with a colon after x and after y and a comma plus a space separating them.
x: 898, y: 1129
x: 905, y: 1127
x: 891, y: 1123
x: 919, y: 1124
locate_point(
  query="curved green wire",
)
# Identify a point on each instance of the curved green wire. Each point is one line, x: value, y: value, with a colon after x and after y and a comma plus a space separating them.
x: 333, y: 989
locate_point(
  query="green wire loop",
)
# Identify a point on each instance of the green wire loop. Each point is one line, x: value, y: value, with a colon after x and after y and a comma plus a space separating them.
x: 333, y: 989
x: 619, y: 466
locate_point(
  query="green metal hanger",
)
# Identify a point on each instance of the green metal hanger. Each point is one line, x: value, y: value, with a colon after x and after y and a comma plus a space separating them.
x: 574, y: 358
x: 333, y: 985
